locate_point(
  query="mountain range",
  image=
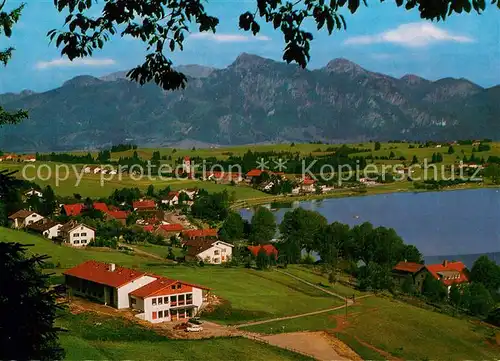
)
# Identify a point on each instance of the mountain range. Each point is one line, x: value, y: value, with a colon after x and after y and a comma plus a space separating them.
x: 253, y: 100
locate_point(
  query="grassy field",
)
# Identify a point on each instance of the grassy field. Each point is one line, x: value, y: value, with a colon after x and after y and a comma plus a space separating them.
x: 250, y: 294
x: 97, y: 337
x: 391, y: 326
x: 311, y: 274
x: 91, y: 185
x: 158, y: 250
x: 399, y: 149
x: 69, y: 257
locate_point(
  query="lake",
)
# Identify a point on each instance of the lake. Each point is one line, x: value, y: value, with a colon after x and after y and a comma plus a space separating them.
x: 461, y: 222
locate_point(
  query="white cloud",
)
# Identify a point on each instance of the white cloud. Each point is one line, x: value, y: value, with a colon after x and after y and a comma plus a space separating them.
x: 65, y: 62
x: 229, y: 38
x: 410, y: 35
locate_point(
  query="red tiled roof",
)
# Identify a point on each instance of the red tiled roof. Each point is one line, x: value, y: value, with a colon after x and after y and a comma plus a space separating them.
x: 103, y: 207
x: 268, y: 248
x: 163, y: 286
x: 77, y: 208
x: 192, y: 233
x: 309, y: 181
x: 148, y: 228
x: 73, y: 209
x: 118, y: 214
x: 410, y: 267
x: 450, y: 266
x: 144, y: 204
x: 175, y: 227
x: 254, y: 173
x: 186, y: 158
x: 99, y: 272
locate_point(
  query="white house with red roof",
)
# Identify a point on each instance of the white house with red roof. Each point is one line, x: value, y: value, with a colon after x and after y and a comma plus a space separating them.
x: 167, y: 300
x: 105, y: 282
x: 156, y: 298
x: 449, y: 273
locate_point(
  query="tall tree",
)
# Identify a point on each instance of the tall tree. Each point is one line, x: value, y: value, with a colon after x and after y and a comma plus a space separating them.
x: 479, y: 301
x: 150, y: 191
x: 300, y: 229
x: 263, y: 226
x: 232, y: 228
x: 487, y: 272
x: 433, y: 289
x: 7, y: 22
x: 262, y: 260
x: 27, y: 307
x: 163, y: 24
x: 49, y: 201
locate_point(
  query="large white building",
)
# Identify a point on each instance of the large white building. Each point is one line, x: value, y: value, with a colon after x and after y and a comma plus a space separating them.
x: 154, y: 298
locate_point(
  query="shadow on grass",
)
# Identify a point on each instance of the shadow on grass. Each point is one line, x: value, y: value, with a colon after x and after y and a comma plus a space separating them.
x: 227, y: 314
x: 94, y: 327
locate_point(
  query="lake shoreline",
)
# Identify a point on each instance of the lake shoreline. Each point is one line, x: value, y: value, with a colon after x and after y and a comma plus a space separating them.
x: 349, y: 193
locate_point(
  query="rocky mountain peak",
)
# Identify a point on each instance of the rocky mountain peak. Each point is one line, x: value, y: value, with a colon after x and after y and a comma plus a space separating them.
x: 246, y: 61
x: 82, y: 80
x: 412, y: 79
x: 343, y: 66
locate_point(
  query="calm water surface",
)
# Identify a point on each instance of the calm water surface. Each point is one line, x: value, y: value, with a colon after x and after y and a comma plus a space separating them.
x: 438, y: 223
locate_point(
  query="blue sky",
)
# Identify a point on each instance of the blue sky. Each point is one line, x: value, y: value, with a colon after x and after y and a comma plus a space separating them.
x: 381, y: 38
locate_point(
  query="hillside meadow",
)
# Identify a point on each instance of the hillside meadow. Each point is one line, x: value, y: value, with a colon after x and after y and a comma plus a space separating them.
x: 246, y: 295
x: 98, y: 337
x: 380, y: 325
x: 377, y: 327
x: 92, y: 186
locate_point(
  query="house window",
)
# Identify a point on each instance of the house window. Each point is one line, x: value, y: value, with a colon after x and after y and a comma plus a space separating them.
x: 160, y: 314
x: 160, y: 301
x: 83, y: 234
x: 153, y: 301
x: 216, y: 260
x: 77, y: 242
x: 173, y: 287
x: 76, y: 234
x: 216, y: 252
x: 133, y: 301
x: 165, y: 300
x: 84, y: 241
x: 179, y: 286
x: 155, y: 315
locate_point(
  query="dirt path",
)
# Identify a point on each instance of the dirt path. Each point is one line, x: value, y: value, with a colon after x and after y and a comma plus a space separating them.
x: 290, y: 317
x: 316, y: 286
x: 318, y: 345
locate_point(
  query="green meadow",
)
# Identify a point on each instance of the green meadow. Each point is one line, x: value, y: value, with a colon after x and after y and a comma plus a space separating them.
x: 96, y: 337
x: 396, y: 328
x: 247, y: 295
x: 91, y: 185
x: 376, y: 326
